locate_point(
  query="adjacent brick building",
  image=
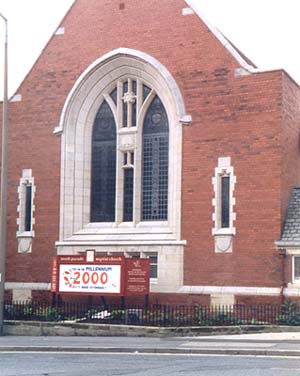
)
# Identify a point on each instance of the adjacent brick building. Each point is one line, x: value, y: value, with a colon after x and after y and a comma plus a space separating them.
x: 141, y: 130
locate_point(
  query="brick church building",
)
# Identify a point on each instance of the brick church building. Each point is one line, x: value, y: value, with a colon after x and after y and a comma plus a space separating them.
x: 142, y: 131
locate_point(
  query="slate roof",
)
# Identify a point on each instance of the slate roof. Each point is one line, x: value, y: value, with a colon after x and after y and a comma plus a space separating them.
x: 291, y: 229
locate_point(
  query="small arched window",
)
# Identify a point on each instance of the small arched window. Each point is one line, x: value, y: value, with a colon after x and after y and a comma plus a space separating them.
x: 103, y: 184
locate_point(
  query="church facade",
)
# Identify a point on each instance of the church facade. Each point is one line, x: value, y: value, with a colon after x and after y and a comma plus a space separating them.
x: 142, y: 131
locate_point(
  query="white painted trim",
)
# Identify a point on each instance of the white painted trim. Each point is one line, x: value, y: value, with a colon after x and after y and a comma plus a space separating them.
x: 16, y: 98
x: 27, y: 286
x: 60, y: 31
x: 243, y: 63
x: 236, y: 290
x: 293, y: 251
x: 290, y: 246
x: 187, y: 11
x: 292, y: 291
x: 240, y: 290
x: 119, y: 243
x: 295, y: 281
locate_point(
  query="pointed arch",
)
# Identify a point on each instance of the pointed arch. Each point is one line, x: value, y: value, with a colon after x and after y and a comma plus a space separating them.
x: 103, y: 82
x: 106, y: 64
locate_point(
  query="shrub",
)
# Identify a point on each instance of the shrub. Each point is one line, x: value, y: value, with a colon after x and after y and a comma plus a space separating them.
x: 290, y: 314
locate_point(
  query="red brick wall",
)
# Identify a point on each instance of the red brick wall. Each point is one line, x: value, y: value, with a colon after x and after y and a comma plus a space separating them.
x: 238, y: 117
x: 184, y: 299
x: 172, y: 299
x: 290, y: 176
x: 257, y: 300
x: 233, y: 116
x: 288, y: 269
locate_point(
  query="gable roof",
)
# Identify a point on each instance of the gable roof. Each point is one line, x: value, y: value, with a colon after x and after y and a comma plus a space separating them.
x: 247, y: 66
x: 291, y: 230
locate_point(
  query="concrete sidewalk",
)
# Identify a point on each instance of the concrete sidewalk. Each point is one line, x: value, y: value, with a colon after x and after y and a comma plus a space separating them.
x: 272, y: 344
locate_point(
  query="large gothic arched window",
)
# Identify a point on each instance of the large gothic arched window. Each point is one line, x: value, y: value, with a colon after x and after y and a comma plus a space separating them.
x: 130, y: 152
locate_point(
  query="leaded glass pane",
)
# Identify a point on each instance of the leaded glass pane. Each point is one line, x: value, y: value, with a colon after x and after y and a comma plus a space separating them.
x: 146, y: 92
x: 128, y: 195
x: 134, y: 87
x: 125, y: 111
x: 153, y: 266
x: 28, y: 208
x: 225, y: 190
x: 133, y: 115
x: 114, y: 95
x: 103, y: 182
x: 296, y: 267
x: 132, y: 158
x: 155, y: 163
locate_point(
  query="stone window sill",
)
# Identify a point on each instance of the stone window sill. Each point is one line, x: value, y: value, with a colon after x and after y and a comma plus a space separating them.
x: 224, y: 231
x: 25, y: 234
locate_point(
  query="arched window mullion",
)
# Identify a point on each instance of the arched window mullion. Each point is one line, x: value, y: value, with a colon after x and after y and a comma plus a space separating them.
x: 139, y: 98
x: 145, y: 106
x: 112, y: 105
x: 119, y: 105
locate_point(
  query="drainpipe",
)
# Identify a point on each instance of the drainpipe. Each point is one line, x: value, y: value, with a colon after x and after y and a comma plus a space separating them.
x: 282, y: 254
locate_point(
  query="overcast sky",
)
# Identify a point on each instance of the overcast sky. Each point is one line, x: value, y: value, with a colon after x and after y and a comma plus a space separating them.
x: 267, y: 31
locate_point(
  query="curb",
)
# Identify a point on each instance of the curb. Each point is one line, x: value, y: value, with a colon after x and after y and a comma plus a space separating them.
x: 141, y: 351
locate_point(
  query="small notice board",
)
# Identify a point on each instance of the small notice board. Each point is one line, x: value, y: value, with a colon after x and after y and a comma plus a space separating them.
x: 90, y: 274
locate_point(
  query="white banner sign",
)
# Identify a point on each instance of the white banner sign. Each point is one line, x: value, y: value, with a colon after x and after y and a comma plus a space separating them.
x: 90, y: 278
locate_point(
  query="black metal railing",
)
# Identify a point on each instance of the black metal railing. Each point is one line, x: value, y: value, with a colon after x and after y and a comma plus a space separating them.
x: 156, y: 314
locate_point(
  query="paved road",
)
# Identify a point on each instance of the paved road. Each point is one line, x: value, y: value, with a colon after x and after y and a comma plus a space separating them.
x: 287, y: 344
x: 78, y: 364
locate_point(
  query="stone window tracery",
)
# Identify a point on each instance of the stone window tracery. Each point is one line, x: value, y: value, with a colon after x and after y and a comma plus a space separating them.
x: 149, y: 134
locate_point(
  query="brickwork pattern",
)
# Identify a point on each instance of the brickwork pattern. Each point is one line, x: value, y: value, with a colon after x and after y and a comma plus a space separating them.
x: 253, y: 119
